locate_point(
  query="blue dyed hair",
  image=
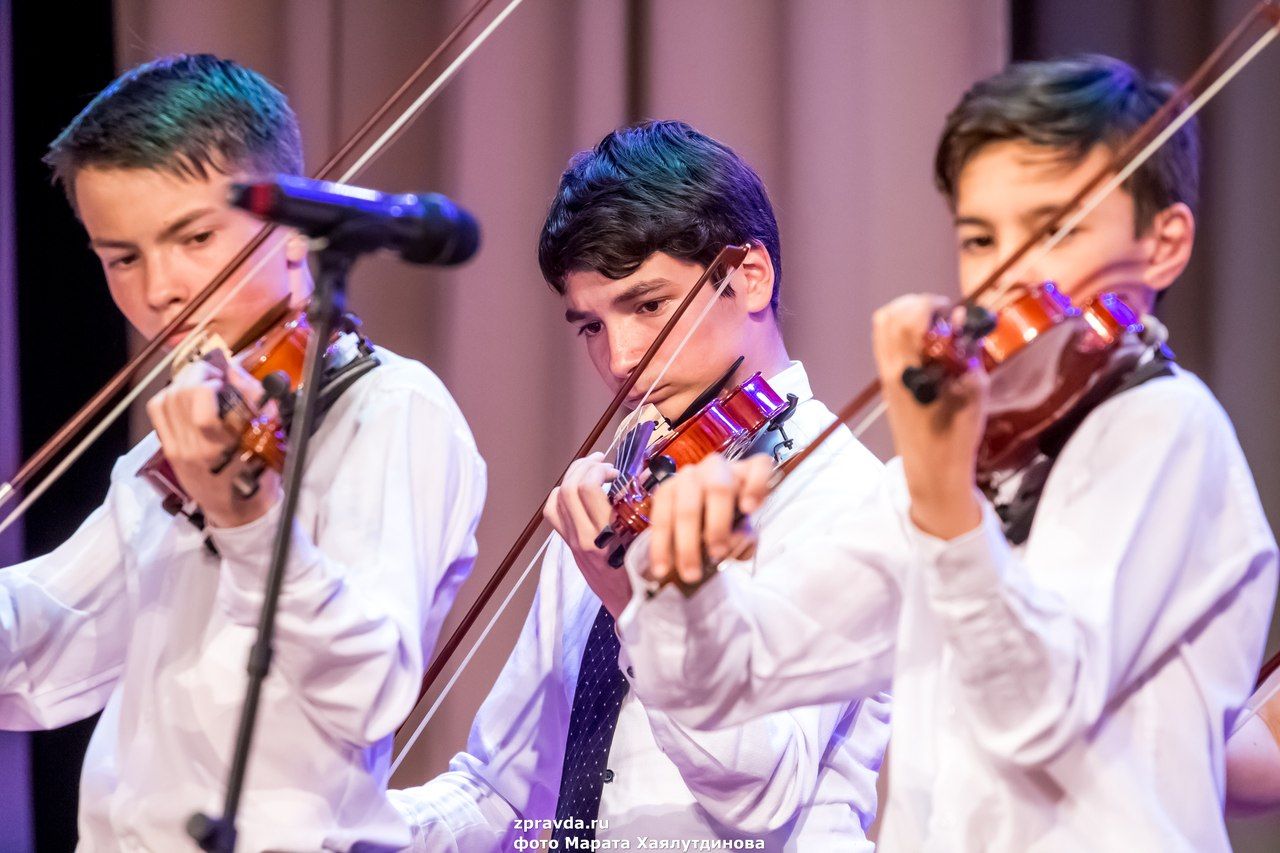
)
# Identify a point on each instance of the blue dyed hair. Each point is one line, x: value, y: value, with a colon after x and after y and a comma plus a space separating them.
x: 1072, y: 105
x: 658, y: 186
x: 182, y: 114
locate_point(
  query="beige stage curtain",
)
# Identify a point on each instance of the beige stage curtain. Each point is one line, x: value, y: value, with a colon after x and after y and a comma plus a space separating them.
x: 837, y: 102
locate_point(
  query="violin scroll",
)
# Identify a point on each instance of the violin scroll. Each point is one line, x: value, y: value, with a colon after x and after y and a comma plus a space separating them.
x: 1079, y: 354
x: 947, y: 351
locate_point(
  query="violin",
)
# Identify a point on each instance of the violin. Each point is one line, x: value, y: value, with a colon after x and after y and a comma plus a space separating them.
x: 274, y: 355
x: 1049, y: 362
x: 946, y: 350
x: 54, y: 457
x: 728, y: 424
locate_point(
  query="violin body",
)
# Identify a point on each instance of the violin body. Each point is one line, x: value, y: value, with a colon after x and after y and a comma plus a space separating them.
x: 729, y: 424
x: 280, y: 351
x: 1079, y: 357
x: 1047, y: 360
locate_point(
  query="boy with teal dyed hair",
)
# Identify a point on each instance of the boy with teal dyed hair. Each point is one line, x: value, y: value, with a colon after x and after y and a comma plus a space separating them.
x: 149, y: 617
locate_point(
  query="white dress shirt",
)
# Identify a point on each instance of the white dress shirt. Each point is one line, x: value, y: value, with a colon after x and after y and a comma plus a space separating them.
x: 1072, y: 693
x: 799, y: 779
x: 134, y: 613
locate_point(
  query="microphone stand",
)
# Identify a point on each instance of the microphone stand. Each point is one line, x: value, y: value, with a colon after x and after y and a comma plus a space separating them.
x: 338, y: 251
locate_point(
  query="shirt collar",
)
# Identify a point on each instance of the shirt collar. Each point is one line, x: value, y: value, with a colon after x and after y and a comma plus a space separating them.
x: 792, y: 380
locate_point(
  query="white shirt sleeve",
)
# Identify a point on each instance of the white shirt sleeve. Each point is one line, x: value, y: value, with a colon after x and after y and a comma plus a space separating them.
x: 1120, y: 568
x: 64, y: 624
x: 510, y: 770
x: 815, y: 622
x: 758, y: 776
x: 365, y: 594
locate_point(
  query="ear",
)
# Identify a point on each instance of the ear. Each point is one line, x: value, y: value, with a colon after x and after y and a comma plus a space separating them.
x: 754, y: 279
x: 1168, y: 241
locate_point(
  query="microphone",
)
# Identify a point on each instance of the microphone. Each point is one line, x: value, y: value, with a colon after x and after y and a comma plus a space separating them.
x: 422, y: 229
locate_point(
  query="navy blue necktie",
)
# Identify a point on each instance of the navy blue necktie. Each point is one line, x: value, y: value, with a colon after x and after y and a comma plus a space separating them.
x: 596, y: 703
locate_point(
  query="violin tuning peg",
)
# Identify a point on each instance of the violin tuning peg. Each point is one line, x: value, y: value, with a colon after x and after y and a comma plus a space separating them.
x: 978, y: 322
x: 924, y: 382
x: 660, y: 468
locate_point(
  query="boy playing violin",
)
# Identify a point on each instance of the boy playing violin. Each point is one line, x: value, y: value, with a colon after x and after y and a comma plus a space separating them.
x: 1072, y: 643
x: 561, y: 743
x: 143, y: 615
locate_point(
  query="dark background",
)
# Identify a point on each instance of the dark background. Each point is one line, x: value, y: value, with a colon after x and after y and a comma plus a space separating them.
x: 70, y: 337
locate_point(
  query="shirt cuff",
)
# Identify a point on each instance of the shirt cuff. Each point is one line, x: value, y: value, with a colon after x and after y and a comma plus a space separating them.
x: 246, y: 559
x: 971, y: 564
x: 671, y: 613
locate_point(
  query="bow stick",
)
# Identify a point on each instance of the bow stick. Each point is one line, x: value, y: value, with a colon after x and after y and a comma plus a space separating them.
x: 136, y: 366
x: 1208, y: 79
x: 724, y: 264
x: 1197, y: 91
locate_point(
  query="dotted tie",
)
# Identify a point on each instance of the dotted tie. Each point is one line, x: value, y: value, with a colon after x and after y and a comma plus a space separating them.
x: 596, y: 703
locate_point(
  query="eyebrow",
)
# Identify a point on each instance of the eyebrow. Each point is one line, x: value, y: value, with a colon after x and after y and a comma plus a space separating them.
x: 636, y: 291
x: 1041, y: 213
x: 169, y: 231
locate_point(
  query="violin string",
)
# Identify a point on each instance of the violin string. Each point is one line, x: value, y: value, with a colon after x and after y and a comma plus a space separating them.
x: 394, y: 129
x: 871, y: 418
x: 126, y: 400
x: 7, y: 490
x: 1056, y: 238
x: 619, y: 436
x: 688, y: 335
x: 90, y: 437
x: 1070, y: 223
x: 1122, y: 175
x: 767, y: 510
x: 471, y: 652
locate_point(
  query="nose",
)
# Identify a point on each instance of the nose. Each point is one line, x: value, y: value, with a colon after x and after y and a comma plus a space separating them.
x: 625, y: 352
x: 164, y: 287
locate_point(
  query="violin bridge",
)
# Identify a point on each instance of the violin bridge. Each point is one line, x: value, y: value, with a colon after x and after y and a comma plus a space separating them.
x: 198, y: 347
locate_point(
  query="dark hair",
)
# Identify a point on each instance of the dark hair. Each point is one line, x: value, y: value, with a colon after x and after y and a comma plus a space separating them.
x: 182, y: 114
x: 658, y: 186
x: 1073, y: 104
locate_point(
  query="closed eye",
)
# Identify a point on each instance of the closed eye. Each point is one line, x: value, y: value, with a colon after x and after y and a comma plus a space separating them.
x: 975, y: 243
